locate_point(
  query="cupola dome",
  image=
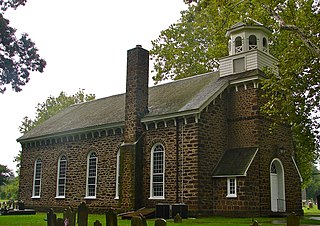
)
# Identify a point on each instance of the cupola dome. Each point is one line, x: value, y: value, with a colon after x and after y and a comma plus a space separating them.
x: 248, y: 50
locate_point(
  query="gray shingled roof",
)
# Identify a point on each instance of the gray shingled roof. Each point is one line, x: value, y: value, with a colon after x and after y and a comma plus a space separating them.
x: 235, y: 162
x: 185, y: 96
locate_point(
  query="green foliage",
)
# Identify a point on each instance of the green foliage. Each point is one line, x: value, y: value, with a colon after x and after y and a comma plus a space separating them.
x: 47, y: 109
x: 10, y: 190
x: 5, y: 174
x: 194, y: 44
x: 18, y: 56
x: 313, y: 189
x: 52, y: 106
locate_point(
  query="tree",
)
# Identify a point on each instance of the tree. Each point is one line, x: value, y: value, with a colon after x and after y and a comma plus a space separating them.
x: 18, y: 56
x: 194, y: 44
x: 49, y: 108
x: 313, y: 189
x: 5, y: 174
x: 52, y: 106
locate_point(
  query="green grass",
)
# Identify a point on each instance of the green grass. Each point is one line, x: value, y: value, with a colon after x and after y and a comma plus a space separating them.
x: 38, y: 220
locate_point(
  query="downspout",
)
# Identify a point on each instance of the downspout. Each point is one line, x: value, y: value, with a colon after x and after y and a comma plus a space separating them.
x: 177, y: 159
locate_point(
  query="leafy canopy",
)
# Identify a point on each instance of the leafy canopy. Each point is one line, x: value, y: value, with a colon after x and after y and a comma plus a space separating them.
x: 195, y: 43
x: 18, y: 56
x: 52, y: 106
x: 49, y: 108
x: 5, y: 174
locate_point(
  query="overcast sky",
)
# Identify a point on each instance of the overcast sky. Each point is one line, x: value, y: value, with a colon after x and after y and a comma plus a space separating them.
x: 85, y: 45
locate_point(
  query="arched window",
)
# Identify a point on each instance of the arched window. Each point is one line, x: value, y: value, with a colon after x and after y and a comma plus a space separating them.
x: 91, y: 175
x: 277, y: 186
x: 117, y: 174
x: 265, y: 44
x: 252, y: 42
x: 61, y: 176
x: 238, y: 44
x: 157, y: 172
x: 37, y: 178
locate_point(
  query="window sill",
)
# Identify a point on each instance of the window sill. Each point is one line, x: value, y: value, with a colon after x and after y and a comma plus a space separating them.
x: 90, y: 197
x: 60, y: 197
x: 231, y: 196
x: 116, y: 198
x: 157, y: 198
x: 35, y: 197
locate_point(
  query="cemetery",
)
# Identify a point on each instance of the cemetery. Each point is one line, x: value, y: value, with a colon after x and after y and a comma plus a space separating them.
x: 82, y: 216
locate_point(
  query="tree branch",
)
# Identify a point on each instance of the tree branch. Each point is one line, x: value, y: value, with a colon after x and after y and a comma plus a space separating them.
x: 284, y: 26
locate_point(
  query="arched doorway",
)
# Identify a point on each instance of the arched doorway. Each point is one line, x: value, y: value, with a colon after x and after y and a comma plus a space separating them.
x: 277, y: 186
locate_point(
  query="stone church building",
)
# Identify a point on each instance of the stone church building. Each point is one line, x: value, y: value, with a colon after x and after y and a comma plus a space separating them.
x: 201, y: 141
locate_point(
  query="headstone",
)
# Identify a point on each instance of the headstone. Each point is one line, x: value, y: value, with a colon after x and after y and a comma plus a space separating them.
x: 293, y: 220
x: 83, y: 212
x: 111, y: 218
x: 136, y: 221
x: 177, y: 219
x: 60, y: 222
x: 160, y: 222
x: 143, y: 220
x: 69, y: 217
x: 255, y: 223
x: 97, y: 223
x: 51, y: 218
x: 20, y: 205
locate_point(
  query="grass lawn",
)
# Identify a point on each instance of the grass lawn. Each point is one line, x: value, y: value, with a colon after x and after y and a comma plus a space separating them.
x: 38, y: 220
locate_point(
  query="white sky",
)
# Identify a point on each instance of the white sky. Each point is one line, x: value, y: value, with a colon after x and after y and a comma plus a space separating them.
x: 85, y: 45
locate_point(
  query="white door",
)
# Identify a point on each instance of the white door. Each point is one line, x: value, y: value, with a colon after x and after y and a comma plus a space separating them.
x: 274, y: 191
x: 277, y: 187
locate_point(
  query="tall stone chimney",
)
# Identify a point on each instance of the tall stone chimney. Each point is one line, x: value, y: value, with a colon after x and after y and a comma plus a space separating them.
x: 136, y: 92
x: 131, y: 151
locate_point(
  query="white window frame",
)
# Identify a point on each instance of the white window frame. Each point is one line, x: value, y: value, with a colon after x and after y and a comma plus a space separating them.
x: 93, y: 176
x: 117, y: 174
x: 62, y: 176
x: 231, y: 187
x: 152, y: 174
x: 238, y: 48
x: 37, y: 174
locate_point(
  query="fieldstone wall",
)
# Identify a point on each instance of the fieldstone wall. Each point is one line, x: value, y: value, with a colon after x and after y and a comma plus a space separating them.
x: 247, y: 128
x: 213, y: 137
x: 76, y: 151
x: 187, y: 190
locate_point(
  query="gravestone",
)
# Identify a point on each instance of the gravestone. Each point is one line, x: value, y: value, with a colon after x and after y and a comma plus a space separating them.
x: 60, y: 222
x: 143, y: 220
x: 69, y: 216
x: 111, y: 218
x: 136, y: 221
x: 83, y: 212
x: 20, y: 205
x: 255, y: 223
x: 51, y: 218
x: 293, y: 220
x: 177, y: 218
x: 97, y: 223
x: 160, y: 222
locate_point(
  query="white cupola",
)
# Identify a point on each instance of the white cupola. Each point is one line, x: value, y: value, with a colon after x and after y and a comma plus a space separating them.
x: 248, y: 50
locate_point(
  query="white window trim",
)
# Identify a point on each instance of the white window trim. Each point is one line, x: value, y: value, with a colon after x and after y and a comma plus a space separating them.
x: 58, y: 177
x: 87, y: 177
x: 117, y: 175
x: 34, y: 179
x: 151, y: 174
x: 229, y: 195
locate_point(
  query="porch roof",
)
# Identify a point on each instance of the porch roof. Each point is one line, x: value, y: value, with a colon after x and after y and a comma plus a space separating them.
x: 235, y: 162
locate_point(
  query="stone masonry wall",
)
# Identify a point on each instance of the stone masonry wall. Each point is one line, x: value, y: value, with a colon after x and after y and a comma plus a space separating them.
x: 247, y: 128
x: 188, y: 163
x: 212, y: 143
x: 76, y: 152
